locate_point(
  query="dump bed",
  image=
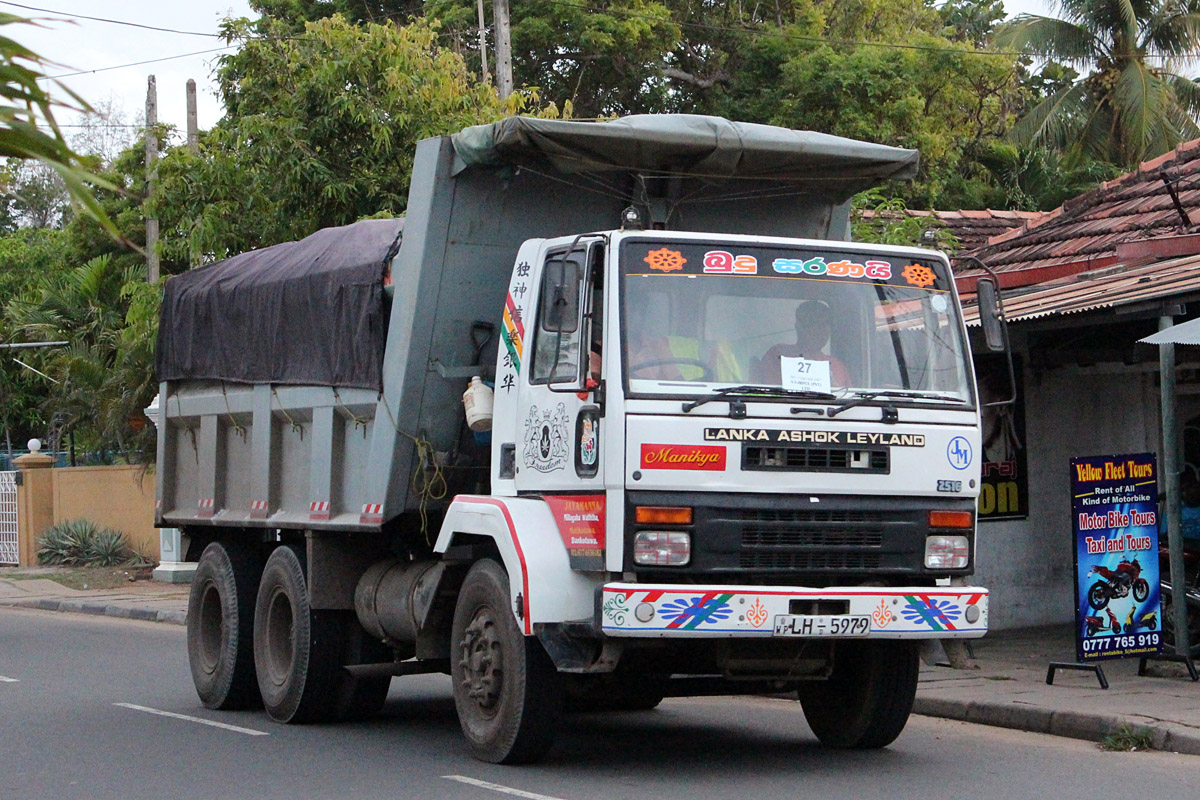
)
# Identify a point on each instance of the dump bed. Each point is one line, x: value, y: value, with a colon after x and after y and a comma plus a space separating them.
x: 294, y: 393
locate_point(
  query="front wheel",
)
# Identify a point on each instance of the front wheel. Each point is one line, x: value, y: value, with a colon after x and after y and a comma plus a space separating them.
x: 506, y: 689
x: 1141, y: 590
x: 867, y: 699
x: 1098, y: 595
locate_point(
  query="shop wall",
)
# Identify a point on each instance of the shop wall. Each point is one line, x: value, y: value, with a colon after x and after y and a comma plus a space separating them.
x: 1069, y: 412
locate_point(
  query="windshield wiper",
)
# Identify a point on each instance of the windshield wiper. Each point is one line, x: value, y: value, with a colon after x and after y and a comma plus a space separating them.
x: 863, y: 398
x: 759, y: 391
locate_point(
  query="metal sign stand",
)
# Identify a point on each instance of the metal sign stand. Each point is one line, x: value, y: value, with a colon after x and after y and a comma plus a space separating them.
x: 1096, y: 668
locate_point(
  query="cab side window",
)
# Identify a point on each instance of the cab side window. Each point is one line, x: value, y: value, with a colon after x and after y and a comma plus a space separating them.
x: 559, y: 334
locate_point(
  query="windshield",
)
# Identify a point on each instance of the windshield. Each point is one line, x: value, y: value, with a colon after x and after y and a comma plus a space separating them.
x: 702, y: 316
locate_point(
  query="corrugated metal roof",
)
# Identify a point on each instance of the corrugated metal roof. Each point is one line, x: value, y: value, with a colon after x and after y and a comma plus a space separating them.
x: 1113, y: 286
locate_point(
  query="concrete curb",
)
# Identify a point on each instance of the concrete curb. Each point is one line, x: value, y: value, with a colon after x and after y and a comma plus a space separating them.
x: 1168, y: 737
x: 100, y: 610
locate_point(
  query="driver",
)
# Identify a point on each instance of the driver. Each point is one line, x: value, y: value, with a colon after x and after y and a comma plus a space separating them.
x: 812, y: 337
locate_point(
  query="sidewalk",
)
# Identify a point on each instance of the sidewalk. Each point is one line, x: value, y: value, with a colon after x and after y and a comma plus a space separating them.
x: 144, y: 600
x: 1008, y: 690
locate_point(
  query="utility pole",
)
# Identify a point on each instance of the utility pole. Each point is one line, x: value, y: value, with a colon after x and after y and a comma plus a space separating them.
x: 193, y: 126
x: 483, y: 44
x: 504, y: 76
x: 151, y: 163
x: 193, y: 143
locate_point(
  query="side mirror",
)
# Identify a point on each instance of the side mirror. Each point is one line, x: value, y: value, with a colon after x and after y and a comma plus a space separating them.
x: 560, y: 297
x: 988, y: 296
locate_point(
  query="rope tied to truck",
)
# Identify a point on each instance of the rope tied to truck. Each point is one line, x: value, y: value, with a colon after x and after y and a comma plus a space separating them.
x: 237, y: 427
x: 191, y: 429
x: 297, y: 427
x: 427, y: 482
x: 358, y: 421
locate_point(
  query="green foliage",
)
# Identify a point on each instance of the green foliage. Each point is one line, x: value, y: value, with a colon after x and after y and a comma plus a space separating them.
x: 1038, y: 178
x: 972, y: 21
x: 319, y: 130
x: 889, y: 223
x: 1133, y: 104
x: 105, y: 374
x: 1128, y: 739
x: 28, y: 130
x: 81, y: 542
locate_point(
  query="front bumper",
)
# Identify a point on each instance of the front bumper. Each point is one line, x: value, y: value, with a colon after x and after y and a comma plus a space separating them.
x: 896, y: 612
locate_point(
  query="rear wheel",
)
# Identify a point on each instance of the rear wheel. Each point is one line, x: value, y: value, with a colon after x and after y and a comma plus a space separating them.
x: 296, y: 650
x: 1098, y: 595
x: 220, y: 626
x: 866, y: 701
x: 506, y: 689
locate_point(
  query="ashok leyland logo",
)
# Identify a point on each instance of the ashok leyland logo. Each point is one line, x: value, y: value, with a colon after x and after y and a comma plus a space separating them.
x: 958, y: 453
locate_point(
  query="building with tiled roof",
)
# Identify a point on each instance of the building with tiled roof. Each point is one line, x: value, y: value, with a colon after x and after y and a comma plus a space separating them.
x: 1083, y: 284
x: 1148, y: 214
x: 971, y: 229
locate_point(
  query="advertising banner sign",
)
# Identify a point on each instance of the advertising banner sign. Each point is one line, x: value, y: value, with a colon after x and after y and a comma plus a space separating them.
x: 1115, y: 516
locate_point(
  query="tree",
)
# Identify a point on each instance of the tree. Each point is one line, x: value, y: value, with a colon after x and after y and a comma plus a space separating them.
x: 1131, y: 105
x: 319, y: 130
x: 28, y: 130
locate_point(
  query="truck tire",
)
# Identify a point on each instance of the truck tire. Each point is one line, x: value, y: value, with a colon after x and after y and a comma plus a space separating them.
x: 506, y: 689
x: 296, y: 650
x: 866, y: 701
x: 220, y: 626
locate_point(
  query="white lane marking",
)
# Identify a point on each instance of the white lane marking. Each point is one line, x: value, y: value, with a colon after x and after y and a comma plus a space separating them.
x: 9, y: 680
x: 495, y: 787
x: 185, y: 717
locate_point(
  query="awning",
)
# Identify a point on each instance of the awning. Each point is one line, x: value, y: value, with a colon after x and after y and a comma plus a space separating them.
x: 1183, y: 333
x: 1111, y: 287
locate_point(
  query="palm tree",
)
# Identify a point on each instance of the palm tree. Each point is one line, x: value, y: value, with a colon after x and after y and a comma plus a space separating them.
x: 1131, y: 103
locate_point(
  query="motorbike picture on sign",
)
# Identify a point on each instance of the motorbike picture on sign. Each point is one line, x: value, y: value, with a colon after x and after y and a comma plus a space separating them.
x: 1117, y: 596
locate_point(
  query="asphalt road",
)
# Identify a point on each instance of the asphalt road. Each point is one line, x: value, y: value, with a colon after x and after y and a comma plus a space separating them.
x: 85, y: 707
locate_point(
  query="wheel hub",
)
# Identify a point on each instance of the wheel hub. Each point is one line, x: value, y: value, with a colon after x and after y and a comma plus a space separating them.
x: 481, y: 661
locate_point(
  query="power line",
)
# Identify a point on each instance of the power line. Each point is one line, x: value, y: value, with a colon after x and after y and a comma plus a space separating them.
x: 109, y: 21
x: 136, y: 63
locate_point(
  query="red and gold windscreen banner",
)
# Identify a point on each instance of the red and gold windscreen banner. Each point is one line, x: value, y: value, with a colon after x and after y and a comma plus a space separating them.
x: 696, y: 259
x: 580, y: 520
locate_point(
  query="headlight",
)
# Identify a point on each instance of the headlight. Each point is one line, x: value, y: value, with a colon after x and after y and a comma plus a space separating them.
x: 947, y: 552
x: 662, y: 548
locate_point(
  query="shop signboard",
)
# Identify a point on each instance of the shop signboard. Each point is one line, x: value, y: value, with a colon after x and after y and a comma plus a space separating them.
x: 1115, y: 517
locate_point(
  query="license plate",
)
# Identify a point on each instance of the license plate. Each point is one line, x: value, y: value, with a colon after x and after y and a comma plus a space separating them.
x: 822, y: 625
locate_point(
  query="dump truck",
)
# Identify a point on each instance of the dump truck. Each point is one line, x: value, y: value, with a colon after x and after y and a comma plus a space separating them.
x: 713, y: 447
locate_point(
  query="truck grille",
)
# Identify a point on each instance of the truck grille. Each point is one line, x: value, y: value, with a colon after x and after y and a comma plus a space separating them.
x: 813, y: 562
x: 814, y: 459
x: 759, y: 537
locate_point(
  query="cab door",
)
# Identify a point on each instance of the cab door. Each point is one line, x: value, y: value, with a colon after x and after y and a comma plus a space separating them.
x: 558, y: 419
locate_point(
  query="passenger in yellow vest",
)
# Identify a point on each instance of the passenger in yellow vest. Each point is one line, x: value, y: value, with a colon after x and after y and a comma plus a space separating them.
x: 812, y: 335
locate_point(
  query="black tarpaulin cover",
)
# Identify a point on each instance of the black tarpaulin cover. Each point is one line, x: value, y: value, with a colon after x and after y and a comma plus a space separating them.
x: 307, y: 312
